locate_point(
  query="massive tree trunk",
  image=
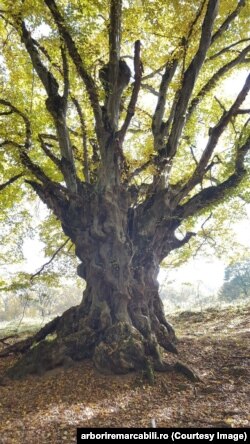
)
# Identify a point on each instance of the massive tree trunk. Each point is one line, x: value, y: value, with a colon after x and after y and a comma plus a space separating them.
x: 120, y: 322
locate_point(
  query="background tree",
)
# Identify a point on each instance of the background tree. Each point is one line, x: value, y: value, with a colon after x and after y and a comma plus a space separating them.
x: 123, y: 150
x: 236, y: 281
x: 37, y: 300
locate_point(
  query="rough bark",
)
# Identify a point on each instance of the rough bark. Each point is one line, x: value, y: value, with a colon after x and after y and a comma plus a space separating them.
x: 120, y: 322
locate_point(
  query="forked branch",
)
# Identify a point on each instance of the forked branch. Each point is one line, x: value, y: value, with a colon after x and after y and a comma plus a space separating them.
x: 215, y: 194
x: 14, y: 109
x: 212, y: 82
x: 215, y: 134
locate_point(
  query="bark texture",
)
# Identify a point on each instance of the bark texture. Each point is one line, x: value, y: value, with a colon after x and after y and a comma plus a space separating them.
x: 120, y: 322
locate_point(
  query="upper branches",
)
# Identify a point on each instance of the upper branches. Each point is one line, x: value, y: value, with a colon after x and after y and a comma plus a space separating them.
x: 115, y: 75
x: 215, y: 134
x: 46, y: 77
x: 77, y: 60
x: 190, y: 76
x: 213, y: 80
x: 55, y: 103
x: 10, y: 181
x: 176, y: 120
x: 229, y: 19
x: 215, y: 194
x: 167, y: 134
x: 54, y: 194
x: 138, y: 69
x: 211, y: 83
x: 14, y: 109
x: 159, y: 127
x: 114, y: 60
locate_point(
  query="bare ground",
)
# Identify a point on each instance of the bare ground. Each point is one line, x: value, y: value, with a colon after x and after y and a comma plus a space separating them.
x: 49, y: 408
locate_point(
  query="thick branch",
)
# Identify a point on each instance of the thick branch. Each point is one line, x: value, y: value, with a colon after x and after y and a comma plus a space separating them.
x: 47, y: 55
x: 114, y: 37
x: 226, y: 49
x: 56, y: 105
x: 10, y: 181
x: 215, y: 78
x: 228, y: 21
x: 84, y: 139
x: 190, y: 76
x: 25, y: 119
x: 138, y: 68
x: 48, y: 80
x: 114, y: 59
x: 215, y: 134
x: 172, y: 243
x: 75, y: 55
x: 190, y: 32
x: 52, y: 195
x: 65, y: 73
x: 217, y: 193
x: 157, y: 126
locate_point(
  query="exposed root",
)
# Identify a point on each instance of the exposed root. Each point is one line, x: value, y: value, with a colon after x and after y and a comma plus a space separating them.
x: 119, y: 349
x: 163, y: 339
x: 123, y: 349
x: 37, y: 360
x: 7, y: 338
x: 185, y: 370
x: 84, y: 332
x: 24, y: 345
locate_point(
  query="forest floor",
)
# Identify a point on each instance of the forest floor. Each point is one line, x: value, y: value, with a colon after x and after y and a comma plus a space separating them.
x: 49, y: 408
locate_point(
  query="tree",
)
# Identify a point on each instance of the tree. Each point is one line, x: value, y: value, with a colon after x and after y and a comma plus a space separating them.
x: 78, y: 130
x: 236, y: 281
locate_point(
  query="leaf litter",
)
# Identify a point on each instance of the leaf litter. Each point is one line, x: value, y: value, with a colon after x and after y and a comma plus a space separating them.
x: 49, y: 408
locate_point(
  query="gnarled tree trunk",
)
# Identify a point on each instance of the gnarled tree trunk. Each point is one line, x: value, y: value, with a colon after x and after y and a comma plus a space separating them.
x: 120, y: 322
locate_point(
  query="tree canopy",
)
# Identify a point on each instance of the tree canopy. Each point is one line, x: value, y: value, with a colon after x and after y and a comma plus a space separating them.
x: 178, y: 76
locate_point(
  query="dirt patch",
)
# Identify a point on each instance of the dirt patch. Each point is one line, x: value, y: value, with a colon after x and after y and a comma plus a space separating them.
x: 50, y: 408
